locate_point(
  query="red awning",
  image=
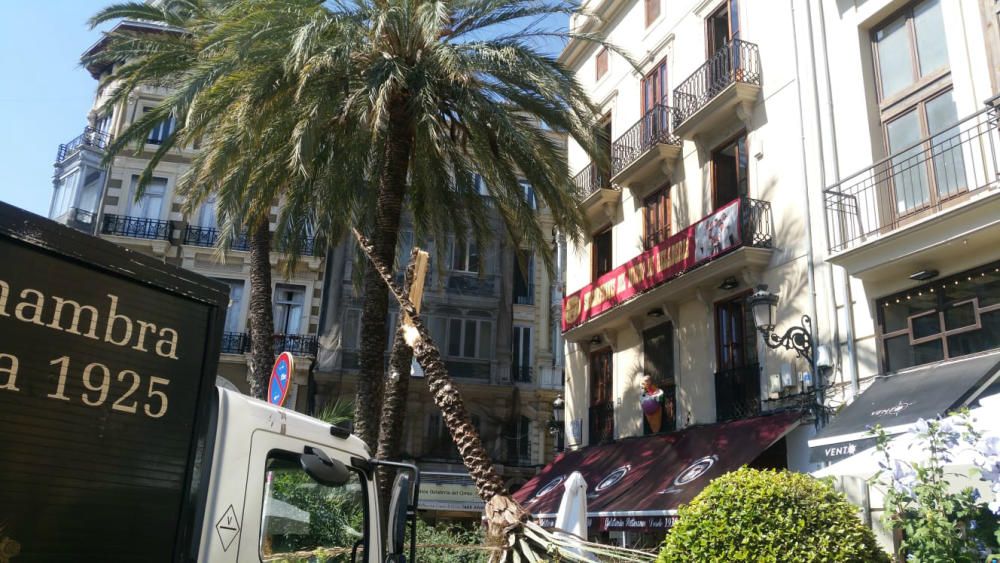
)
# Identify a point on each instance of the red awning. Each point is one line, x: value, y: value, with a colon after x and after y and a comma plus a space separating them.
x: 638, y: 483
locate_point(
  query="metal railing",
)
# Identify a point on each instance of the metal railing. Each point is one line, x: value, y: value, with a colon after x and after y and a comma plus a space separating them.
x: 472, y: 285
x: 737, y: 393
x: 525, y: 294
x: 590, y: 179
x: 756, y: 224
x: 521, y: 374
x: 602, y: 423
x: 297, y: 344
x: 915, y: 182
x: 89, y: 138
x: 135, y: 227
x: 737, y: 61
x: 655, y: 127
x: 208, y: 236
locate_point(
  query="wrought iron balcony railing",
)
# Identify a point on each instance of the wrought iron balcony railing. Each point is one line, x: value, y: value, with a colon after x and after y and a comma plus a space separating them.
x: 89, y: 138
x: 737, y: 61
x: 297, y: 344
x: 135, y: 227
x: 756, y: 224
x: 521, y: 374
x: 737, y: 393
x: 653, y: 128
x: 917, y: 181
x: 472, y: 285
x: 208, y: 236
x: 590, y: 179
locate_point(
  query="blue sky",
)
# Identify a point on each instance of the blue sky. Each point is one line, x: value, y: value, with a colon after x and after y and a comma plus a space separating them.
x: 46, y: 94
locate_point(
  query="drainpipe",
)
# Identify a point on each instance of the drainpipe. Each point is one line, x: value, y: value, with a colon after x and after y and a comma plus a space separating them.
x: 852, y: 355
x: 811, y: 270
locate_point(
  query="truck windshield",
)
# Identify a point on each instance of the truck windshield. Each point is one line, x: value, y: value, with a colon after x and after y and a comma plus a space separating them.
x: 304, y: 521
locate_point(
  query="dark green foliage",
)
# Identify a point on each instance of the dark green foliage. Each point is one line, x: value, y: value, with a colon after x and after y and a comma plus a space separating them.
x: 751, y: 515
x: 442, y: 534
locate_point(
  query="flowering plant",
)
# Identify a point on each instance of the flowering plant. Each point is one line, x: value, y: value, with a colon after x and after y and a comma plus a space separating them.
x: 939, y: 524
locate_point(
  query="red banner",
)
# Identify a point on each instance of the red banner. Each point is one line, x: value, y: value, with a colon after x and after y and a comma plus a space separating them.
x: 706, y: 239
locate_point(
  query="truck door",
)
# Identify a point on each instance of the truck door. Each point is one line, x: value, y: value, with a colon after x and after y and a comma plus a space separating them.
x: 290, y: 517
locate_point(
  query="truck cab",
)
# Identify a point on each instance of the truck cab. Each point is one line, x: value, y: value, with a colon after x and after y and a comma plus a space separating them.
x: 263, y: 505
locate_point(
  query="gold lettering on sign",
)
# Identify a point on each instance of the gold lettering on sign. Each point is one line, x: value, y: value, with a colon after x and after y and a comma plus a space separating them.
x: 11, y: 371
x: 36, y: 318
x: 167, y: 346
x: 74, y: 325
x: 4, y: 293
x: 114, y: 317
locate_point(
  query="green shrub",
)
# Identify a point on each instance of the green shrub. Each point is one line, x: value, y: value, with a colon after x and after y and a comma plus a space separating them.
x: 751, y: 515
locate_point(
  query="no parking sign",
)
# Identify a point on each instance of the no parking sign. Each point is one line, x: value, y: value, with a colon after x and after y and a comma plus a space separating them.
x: 281, y: 375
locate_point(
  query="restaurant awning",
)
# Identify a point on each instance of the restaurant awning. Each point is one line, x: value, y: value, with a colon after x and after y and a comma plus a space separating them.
x: 896, y: 402
x: 638, y: 483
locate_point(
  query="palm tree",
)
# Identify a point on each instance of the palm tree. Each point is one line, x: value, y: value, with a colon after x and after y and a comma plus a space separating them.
x: 352, y: 110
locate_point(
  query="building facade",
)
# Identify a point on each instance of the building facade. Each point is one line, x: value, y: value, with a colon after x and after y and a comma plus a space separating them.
x: 493, y: 312
x: 102, y: 201
x: 845, y: 154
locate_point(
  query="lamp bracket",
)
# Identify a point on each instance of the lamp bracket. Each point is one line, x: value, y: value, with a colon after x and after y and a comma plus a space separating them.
x: 796, y: 338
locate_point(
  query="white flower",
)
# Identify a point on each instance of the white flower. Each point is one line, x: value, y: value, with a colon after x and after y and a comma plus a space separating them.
x: 903, y: 476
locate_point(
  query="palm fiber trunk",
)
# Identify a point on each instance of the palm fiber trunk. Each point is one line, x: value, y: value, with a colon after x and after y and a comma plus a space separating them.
x: 261, y: 316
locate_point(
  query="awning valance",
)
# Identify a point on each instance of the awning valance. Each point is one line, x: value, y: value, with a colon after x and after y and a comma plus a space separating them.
x: 638, y: 483
x: 896, y: 402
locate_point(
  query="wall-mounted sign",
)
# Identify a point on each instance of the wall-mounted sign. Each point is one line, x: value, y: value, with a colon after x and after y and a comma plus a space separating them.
x: 714, y: 235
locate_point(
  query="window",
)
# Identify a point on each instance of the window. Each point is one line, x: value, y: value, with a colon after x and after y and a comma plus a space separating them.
x: 103, y: 123
x: 300, y: 514
x: 289, y: 301
x: 529, y: 194
x: 150, y: 205
x: 521, y: 359
x: 524, y: 276
x: 601, y: 64
x: 90, y: 193
x: 735, y: 336
x: 161, y: 130
x: 601, y: 254
x: 730, y: 172
x: 654, y: 87
x: 519, y: 441
x: 235, y: 305
x: 658, y: 364
x: 464, y: 256
x: 656, y: 218
x: 63, y: 196
x: 910, y: 47
x: 207, y: 213
x: 652, y: 11
x: 944, y: 319
x: 470, y: 338
x: 722, y: 27
x: 602, y: 407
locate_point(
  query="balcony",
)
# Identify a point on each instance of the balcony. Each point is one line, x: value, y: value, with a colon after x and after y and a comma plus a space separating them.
x: 297, y: 344
x: 521, y: 374
x: 208, y: 236
x: 90, y: 138
x: 644, y: 156
x: 472, y: 285
x: 734, y: 238
x: 597, y: 195
x: 737, y: 393
x: 902, y: 212
x: 135, y: 227
x: 725, y: 86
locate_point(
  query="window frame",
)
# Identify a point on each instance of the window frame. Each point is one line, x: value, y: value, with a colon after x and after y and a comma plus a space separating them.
x: 652, y: 10
x: 606, y: 231
x: 602, y: 64
x: 466, y: 247
x: 748, y: 335
x: 733, y: 140
x: 662, y: 201
x: 463, y: 330
x: 920, y: 82
x: 275, y: 303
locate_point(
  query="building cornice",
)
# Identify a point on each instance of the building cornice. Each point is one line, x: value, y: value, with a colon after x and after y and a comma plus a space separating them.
x: 596, y: 16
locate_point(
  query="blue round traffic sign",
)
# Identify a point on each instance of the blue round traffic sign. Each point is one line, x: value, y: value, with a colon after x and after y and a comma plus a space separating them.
x: 281, y: 376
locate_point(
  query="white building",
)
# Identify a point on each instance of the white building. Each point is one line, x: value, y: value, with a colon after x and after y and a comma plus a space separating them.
x: 733, y: 142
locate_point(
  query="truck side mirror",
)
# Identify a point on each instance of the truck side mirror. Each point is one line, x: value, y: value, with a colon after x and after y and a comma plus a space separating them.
x: 322, y: 469
x: 399, y: 507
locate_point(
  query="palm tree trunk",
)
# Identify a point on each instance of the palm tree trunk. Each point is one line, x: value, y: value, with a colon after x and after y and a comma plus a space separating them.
x: 503, y: 514
x: 261, y: 314
x: 392, y: 188
x: 394, y: 405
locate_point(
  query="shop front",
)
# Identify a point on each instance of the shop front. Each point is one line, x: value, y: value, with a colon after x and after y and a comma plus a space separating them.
x: 635, y: 485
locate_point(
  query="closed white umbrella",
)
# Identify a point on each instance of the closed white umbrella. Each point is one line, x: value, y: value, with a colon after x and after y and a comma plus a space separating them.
x: 571, y: 519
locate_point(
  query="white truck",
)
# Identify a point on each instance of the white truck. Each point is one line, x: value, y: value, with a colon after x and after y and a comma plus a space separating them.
x: 116, y: 444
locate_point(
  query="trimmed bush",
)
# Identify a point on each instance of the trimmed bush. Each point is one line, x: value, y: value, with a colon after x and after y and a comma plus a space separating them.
x: 751, y: 515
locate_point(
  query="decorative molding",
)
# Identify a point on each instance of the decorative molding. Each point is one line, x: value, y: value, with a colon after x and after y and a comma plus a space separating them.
x: 744, y: 111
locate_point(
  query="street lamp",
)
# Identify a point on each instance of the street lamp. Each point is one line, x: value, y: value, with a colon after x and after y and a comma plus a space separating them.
x: 764, y: 306
x: 558, y: 410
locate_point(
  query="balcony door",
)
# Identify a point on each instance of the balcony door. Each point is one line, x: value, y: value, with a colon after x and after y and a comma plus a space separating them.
x: 654, y: 93
x: 602, y: 407
x: 150, y: 205
x: 289, y: 301
x: 601, y: 254
x: 737, y: 378
x: 656, y: 218
x: 722, y: 27
x: 730, y: 171
x: 658, y: 364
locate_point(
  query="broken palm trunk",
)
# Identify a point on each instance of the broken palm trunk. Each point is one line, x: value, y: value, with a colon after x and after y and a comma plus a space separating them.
x: 508, y: 525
